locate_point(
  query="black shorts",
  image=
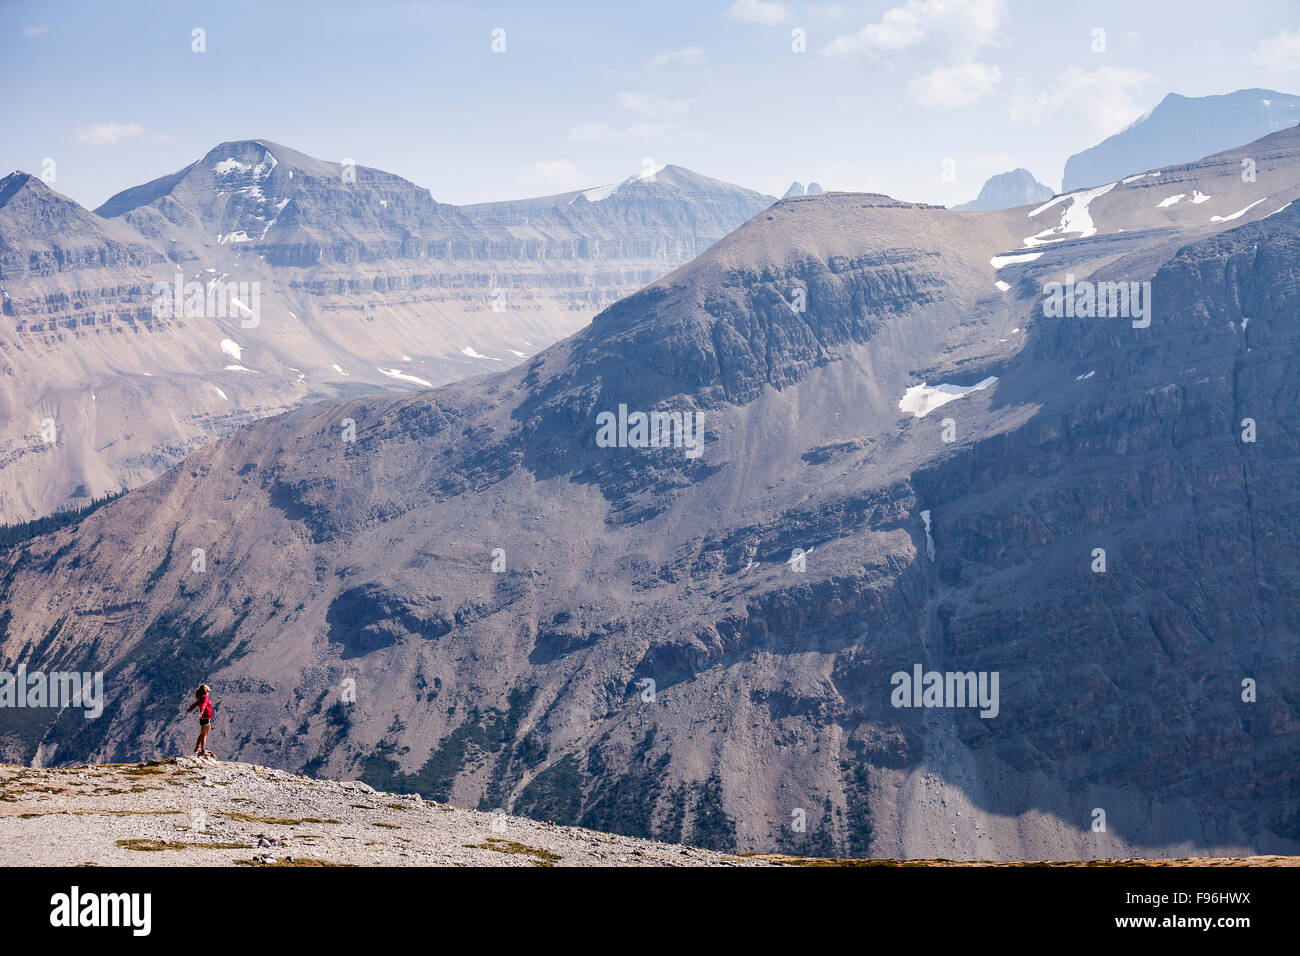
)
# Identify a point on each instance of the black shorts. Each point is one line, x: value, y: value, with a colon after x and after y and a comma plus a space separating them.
x: 204, y: 721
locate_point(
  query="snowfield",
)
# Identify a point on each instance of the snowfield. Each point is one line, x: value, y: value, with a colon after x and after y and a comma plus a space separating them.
x: 1075, y: 219
x: 998, y: 262
x: 1239, y: 213
x: 402, y: 376
x: 922, y: 399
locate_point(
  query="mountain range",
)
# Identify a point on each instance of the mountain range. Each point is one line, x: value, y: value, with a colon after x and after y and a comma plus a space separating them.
x: 361, y: 281
x: 366, y: 283
x: 876, y: 452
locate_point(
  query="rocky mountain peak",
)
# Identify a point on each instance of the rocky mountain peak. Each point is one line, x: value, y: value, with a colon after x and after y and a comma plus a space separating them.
x: 1005, y: 190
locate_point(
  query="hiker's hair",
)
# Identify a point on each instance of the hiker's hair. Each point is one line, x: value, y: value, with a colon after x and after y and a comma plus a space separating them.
x: 203, y: 689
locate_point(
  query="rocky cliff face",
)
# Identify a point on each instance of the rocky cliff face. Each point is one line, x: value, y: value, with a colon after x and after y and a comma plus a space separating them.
x: 363, y: 283
x: 57, y: 259
x: 476, y: 594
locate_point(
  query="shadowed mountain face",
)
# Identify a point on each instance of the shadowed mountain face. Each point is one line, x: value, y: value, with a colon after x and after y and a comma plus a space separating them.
x: 1180, y: 129
x: 361, y: 282
x: 907, y: 462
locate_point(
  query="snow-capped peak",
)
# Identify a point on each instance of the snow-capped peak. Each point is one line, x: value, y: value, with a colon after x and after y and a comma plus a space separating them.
x: 646, y: 174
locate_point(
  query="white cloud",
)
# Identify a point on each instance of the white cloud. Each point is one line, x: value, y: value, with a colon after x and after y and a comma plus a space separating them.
x: 652, y: 104
x: 656, y: 108
x: 1279, y: 52
x: 956, y: 28
x: 759, y: 11
x: 109, y: 134
x: 687, y: 56
x: 551, y: 176
x: 1102, y: 97
x: 605, y: 133
x: 941, y: 37
x: 35, y: 31
x: 951, y: 86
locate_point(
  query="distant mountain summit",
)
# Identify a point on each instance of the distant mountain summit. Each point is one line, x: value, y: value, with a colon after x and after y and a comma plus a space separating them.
x: 1006, y: 190
x: 648, y: 207
x: 797, y: 189
x: 44, y: 233
x: 291, y: 209
x: 1181, y: 129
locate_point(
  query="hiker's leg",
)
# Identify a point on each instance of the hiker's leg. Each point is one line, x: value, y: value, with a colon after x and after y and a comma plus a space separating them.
x: 203, y: 738
x: 198, y: 744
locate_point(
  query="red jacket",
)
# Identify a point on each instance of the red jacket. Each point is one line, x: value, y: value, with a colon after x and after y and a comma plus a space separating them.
x: 204, y: 705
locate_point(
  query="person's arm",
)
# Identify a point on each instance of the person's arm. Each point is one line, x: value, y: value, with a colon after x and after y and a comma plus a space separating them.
x: 192, y: 706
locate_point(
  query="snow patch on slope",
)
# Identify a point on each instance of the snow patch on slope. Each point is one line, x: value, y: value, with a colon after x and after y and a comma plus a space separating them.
x: 922, y: 399
x: 228, y: 166
x: 1075, y: 218
x: 997, y: 262
x: 402, y: 376
x: 1239, y: 213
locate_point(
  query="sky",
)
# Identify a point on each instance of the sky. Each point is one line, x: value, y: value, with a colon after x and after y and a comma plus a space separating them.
x: 478, y: 101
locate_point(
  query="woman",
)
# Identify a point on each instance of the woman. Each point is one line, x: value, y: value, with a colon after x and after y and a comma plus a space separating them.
x: 204, y: 703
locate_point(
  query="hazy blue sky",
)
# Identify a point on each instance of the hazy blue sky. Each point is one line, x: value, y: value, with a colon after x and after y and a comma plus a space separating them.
x: 884, y: 93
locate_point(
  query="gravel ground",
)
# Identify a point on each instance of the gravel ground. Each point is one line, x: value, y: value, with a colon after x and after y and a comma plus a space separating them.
x: 189, y: 810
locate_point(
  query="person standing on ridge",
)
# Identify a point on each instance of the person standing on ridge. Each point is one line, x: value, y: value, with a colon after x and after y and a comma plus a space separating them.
x: 204, y: 703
